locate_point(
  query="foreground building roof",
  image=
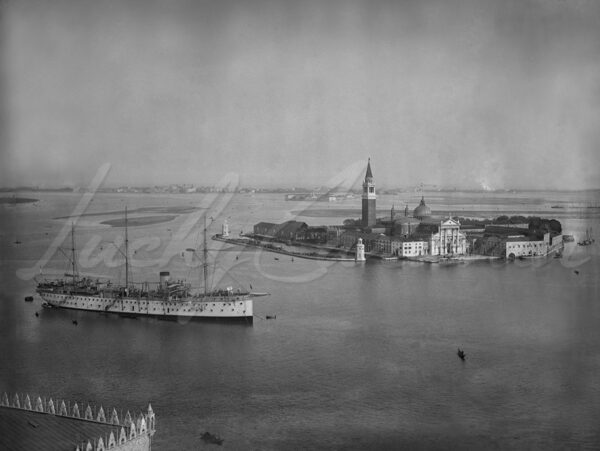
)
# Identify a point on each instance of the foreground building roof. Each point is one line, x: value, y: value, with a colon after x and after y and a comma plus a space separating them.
x: 35, y: 423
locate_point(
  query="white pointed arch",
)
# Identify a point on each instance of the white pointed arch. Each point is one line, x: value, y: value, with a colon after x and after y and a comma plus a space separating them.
x: 132, y: 431
x: 111, y: 440
x: 75, y: 411
x: 27, y: 403
x: 114, y: 418
x: 101, y: 417
x: 143, y: 428
x: 88, y: 413
x: 127, y: 421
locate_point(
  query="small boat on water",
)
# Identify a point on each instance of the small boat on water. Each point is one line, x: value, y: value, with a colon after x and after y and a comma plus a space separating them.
x: 461, y: 354
x: 212, y: 438
x: 28, y: 298
x: 588, y: 238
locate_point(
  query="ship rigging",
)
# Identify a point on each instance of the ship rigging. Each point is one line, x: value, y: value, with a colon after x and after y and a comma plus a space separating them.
x: 169, y: 300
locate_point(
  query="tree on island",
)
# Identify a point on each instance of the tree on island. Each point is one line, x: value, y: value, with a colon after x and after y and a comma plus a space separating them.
x: 539, y: 226
x: 352, y: 223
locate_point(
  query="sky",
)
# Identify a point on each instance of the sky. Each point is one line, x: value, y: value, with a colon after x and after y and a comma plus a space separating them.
x: 475, y: 94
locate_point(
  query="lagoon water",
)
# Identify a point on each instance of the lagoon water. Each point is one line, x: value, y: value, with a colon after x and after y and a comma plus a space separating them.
x: 361, y: 356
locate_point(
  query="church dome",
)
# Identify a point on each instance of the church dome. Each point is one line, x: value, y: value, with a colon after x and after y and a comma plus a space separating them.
x: 422, y: 211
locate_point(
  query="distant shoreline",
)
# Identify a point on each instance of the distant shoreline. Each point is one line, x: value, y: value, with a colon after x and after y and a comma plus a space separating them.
x: 171, y: 210
x: 17, y: 200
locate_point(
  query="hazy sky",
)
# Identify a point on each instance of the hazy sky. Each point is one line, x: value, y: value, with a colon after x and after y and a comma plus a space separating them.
x: 456, y: 93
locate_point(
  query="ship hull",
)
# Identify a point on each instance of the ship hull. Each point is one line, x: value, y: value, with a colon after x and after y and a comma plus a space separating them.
x: 234, y: 308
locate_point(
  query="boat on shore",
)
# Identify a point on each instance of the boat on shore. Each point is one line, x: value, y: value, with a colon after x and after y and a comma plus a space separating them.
x: 165, y: 299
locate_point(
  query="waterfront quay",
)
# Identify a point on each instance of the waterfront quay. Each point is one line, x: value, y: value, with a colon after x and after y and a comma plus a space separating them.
x: 305, y: 250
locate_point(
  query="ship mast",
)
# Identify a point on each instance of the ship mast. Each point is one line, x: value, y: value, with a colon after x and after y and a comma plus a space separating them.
x: 126, y: 252
x: 205, y: 265
x: 73, y: 263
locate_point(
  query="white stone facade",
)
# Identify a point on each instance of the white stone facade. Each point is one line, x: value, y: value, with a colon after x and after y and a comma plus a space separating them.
x: 449, y: 240
x: 413, y: 249
x: 360, y: 251
x: 526, y: 248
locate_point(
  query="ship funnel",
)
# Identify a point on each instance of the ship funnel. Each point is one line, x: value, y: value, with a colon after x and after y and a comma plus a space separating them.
x: 164, y: 278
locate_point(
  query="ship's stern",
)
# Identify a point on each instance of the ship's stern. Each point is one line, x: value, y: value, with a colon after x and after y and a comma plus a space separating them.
x: 248, y: 308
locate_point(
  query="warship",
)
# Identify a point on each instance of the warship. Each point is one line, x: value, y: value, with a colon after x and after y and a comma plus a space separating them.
x: 165, y: 299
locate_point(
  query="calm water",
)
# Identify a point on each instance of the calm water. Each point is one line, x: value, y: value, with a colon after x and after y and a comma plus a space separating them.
x: 359, y: 357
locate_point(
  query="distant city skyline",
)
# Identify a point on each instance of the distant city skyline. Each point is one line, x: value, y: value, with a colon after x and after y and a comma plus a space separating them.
x: 465, y: 94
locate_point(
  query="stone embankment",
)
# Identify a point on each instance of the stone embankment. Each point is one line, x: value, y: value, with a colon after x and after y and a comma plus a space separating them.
x: 279, y: 249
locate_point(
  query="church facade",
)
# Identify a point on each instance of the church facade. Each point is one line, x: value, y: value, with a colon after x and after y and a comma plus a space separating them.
x: 449, y: 240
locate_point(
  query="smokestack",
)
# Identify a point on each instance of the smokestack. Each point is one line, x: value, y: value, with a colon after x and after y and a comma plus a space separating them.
x: 164, y: 278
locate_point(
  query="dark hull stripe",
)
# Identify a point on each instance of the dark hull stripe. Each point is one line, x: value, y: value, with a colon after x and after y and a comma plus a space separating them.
x: 133, y: 315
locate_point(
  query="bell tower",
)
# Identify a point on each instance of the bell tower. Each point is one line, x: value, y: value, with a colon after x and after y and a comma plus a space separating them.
x: 368, y: 199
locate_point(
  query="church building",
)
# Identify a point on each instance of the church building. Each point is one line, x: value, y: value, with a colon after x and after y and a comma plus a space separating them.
x: 449, y: 240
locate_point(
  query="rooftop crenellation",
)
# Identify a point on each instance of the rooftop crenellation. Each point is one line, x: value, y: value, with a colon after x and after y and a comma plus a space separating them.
x: 118, y: 431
